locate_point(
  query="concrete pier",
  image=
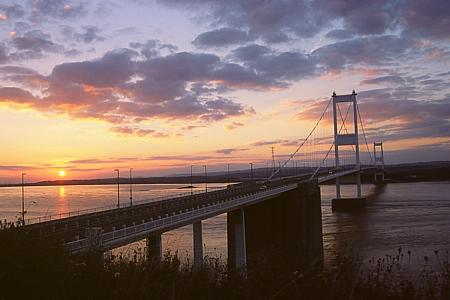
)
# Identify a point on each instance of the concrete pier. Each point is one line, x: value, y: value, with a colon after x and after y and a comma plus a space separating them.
x: 348, y: 204
x: 198, y: 243
x: 154, y: 247
x: 236, y: 233
x: 287, y: 230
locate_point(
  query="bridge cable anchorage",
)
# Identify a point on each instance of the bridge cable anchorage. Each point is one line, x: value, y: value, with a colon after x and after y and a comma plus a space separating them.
x: 301, y: 145
x: 364, y: 134
x: 332, y: 145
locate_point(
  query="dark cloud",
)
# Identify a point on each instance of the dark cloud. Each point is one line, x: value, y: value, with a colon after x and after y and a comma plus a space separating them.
x: 397, y: 113
x: 62, y: 9
x: 35, y: 44
x: 114, y: 68
x: 119, y: 89
x: 340, y: 34
x: 379, y: 50
x: 152, y: 48
x: 3, y: 54
x: 12, y: 10
x: 15, y: 95
x: 362, y: 17
x: 277, y: 21
x: 25, y: 76
x: 426, y: 18
x: 270, y: 20
x: 88, y: 34
x: 275, y: 69
x: 32, y: 44
x: 385, y: 80
x: 221, y: 37
x: 250, y: 52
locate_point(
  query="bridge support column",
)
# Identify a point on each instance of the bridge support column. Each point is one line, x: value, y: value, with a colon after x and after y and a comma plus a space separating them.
x: 198, y: 243
x: 286, y: 231
x: 348, y: 139
x: 237, y: 250
x: 154, y: 247
x: 94, y: 237
x: 358, y: 185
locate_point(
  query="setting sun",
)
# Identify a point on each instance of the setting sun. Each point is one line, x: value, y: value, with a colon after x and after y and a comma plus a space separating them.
x: 62, y: 173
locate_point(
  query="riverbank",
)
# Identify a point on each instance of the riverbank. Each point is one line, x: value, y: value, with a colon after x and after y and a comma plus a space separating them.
x: 32, y: 270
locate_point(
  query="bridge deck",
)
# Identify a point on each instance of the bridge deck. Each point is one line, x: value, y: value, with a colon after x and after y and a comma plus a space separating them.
x: 123, y: 225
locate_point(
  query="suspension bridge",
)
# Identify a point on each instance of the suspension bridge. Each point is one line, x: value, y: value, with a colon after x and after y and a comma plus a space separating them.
x: 257, y: 210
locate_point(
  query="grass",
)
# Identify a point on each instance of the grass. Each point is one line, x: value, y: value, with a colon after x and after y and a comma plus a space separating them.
x: 32, y: 269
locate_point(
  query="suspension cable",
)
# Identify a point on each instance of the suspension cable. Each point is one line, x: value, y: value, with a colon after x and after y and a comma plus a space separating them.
x: 331, y: 147
x: 304, y: 141
x: 364, y: 134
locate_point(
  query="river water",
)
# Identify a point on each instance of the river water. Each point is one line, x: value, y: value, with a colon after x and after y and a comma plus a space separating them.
x: 411, y: 216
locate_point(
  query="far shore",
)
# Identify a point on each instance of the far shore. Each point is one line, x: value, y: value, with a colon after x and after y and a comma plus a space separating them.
x: 402, y: 173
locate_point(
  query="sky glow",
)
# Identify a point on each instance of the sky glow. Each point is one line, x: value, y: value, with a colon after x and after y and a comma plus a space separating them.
x: 90, y: 86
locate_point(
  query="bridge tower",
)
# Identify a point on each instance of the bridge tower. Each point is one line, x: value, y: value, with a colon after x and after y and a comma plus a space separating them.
x: 378, y: 157
x: 347, y: 139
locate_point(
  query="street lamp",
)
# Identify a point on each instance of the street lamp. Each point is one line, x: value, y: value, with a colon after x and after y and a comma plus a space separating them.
x: 23, y: 200
x: 251, y: 171
x: 118, y: 188
x: 131, y: 187
x: 191, y: 180
x: 206, y: 179
x: 228, y: 173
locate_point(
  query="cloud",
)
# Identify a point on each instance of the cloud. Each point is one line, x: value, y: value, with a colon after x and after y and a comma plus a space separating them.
x: 397, y: 113
x: 387, y: 80
x: 118, y: 88
x: 340, y: 34
x: 88, y: 34
x: 228, y: 151
x: 12, y: 10
x: 233, y: 125
x: 378, y: 50
x: 61, y: 9
x: 268, y: 142
x: 272, y: 21
x: 192, y: 127
x: 30, y: 44
x: 114, y: 68
x: 152, y: 48
x: 280, y: 21
x: 426, y: 18
x: 136, y: 131
x: 221, y: 37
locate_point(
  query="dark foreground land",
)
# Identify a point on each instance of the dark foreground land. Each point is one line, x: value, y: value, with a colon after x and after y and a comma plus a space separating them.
x: 35, y: 270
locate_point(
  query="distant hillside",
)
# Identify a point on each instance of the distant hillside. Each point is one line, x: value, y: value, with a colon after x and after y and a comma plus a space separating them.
x: 422, y: 171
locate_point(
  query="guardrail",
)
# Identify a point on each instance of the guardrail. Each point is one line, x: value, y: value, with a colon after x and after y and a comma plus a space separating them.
x: 37, y: 220
x: 180, y: 218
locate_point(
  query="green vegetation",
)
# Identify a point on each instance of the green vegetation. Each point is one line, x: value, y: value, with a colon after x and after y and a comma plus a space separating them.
x: 34, y: 270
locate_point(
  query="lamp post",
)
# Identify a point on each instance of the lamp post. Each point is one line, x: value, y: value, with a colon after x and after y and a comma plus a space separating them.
x: 206, y: 179
x: 118, y: 188
x: 23, y: 199
x: 131, y: 187
x: 251, y: 171
x: 191, y: 180
x: 228, y: 173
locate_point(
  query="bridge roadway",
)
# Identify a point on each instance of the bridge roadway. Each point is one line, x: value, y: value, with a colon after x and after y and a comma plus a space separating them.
x: 124, y: 225
x: 73, y: 228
